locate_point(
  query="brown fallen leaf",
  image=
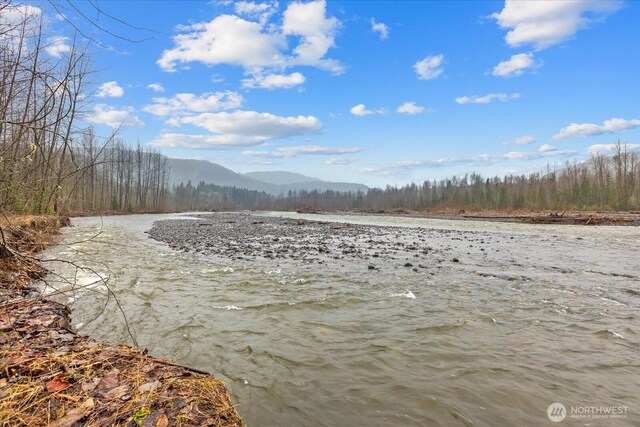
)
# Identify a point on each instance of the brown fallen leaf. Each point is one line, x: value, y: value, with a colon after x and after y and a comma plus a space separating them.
x: 149, y: 386
x: 116, y: 393
x: 74, y: 415
x: 61, y: 351
x: 57, y: 384
x: 162, y: 421
x: 90, y: 385
x: 108, y: 382
x: 148, y: 368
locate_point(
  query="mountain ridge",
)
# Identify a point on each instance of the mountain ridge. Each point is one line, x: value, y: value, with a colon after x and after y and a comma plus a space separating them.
x: 271, y: 182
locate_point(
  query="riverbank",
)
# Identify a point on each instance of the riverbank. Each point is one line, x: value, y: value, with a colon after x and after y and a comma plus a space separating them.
x: 52, y: 376
x: 567, y: 217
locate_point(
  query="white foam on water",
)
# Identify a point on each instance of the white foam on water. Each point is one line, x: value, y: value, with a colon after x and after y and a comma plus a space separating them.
x: 227, y: 307
x: 615, y: 334
x: 407, y: 294
x: 216, y: 270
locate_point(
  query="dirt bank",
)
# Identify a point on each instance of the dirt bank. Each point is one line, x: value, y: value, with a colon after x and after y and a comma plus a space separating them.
x: 522, y: 216
x: 52, y: 376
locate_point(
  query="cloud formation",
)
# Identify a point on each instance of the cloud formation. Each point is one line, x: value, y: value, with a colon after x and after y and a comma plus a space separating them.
x: 274, y: 81
x: 12, y: 16
x: 589, y: 129
x: 261, y: 12
x: 237, y: 129
x: 258, y: 45
x: 486, y: 99
x: 187, y: 103
x: 430, y: 67
x: 156, y: 87
x: 516, y: 65
x: 110, y: 90
x: 545, y: 23
x: 410, y: 107
x: 380, y: 28
x: 113, y: 117
x: 340, y: 161
x: 57, y: 46
x: 400, y: 168
x: 309, y: 22
x: 306, y: 150
x: 522, y: 140
x: 361, y: 110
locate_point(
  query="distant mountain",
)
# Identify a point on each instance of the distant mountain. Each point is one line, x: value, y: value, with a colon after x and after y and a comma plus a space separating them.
x: 185, y: 170
x: 280, y: 177
x: 275, y: 183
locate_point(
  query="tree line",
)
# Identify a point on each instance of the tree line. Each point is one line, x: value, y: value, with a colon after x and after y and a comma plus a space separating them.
x: 599, y: 183
x: 48, y: 162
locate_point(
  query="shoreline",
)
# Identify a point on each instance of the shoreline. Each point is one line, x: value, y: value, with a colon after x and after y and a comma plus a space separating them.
x: 567, y: 217
x: 53, y: 376
x: 577, y: 217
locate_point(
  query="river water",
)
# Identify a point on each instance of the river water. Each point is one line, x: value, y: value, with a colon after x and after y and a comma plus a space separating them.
x: 530, y: 315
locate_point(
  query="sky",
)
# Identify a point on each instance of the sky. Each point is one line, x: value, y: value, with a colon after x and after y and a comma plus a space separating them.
x: 371, y: 92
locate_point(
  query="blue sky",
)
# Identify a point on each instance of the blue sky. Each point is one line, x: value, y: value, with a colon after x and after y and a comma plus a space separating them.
x: 372, y: 92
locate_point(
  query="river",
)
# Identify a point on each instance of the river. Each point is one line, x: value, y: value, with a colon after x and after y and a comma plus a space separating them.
x: 526, y: 315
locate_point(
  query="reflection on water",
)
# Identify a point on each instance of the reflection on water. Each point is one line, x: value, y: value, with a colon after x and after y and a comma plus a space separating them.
x: 544, y: 314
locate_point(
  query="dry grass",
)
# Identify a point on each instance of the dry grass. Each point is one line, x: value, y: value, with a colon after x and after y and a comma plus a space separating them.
x: 51, y: 376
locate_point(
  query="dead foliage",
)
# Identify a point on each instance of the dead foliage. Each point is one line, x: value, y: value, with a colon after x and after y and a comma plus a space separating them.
x: 50, y: 376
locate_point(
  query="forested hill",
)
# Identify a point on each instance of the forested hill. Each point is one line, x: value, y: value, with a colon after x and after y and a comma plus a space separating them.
x: 274, y: 183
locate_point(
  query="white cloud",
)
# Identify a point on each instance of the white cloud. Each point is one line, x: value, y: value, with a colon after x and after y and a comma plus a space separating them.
x: 339, y: 161
x: 11, y: 18
x: 237, y: 129
x: 360, y: 110
x: 57, y: 46
x: 227, y: 39
x: 255, y: 46
x: 403, y: 166
x: 109, y: 116
x: 546, y: 23
x: 611, y: 148
x: 259, y: 11
x: 274, y: 81
x: 430, y: 67
x: 522, y: 140
x: 545, y: 148
x: 156, y: 87
x: 516, y: 65
x: 211, y: 142
x: 110, y: 90
x: 379, y: 27
x: 503, y: 97
x: 410, y: 107
x: 313, y: 150
x: 316, y: 31
x: 188, y: 103
x: 588, y: 129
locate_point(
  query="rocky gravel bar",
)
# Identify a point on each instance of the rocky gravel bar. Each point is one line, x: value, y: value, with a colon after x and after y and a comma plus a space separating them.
x: 243, y: 236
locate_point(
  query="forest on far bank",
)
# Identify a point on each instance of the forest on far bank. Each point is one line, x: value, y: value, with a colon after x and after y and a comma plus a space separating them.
x: 599, y: 183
